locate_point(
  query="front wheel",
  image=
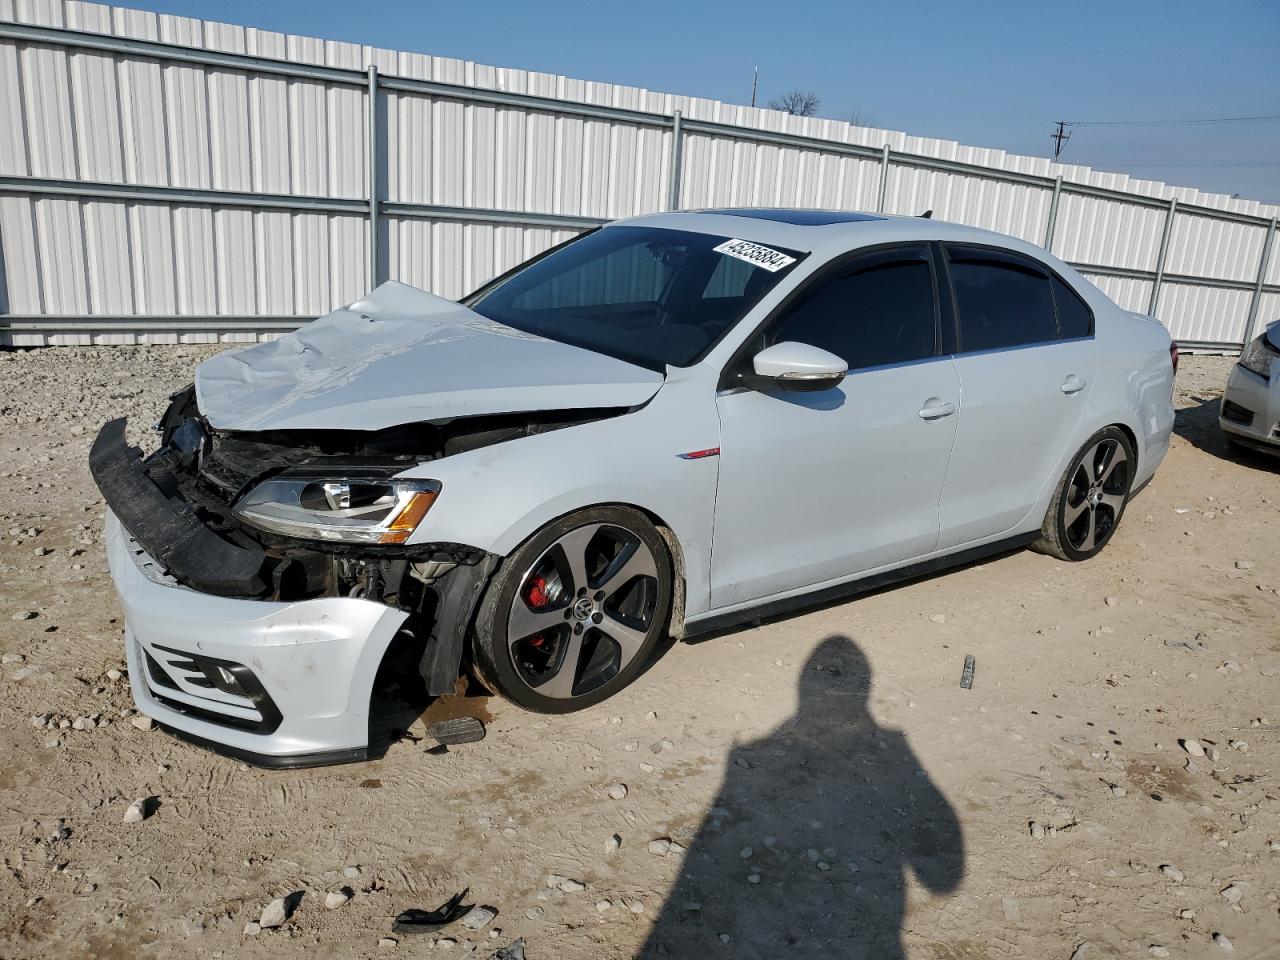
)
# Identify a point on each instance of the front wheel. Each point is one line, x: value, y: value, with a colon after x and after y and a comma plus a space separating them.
x: 573, y: 615
x: 1090, y: 499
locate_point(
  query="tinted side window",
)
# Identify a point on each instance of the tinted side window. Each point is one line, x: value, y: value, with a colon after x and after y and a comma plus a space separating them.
x: 1001, y: 304
x: 1075, y: 319
x: 876, y: 315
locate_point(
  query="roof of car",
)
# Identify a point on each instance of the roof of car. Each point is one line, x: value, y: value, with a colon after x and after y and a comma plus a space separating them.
x: 827, y: 233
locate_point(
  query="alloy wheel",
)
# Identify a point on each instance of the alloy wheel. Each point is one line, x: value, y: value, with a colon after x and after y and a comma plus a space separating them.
x: 583, y: 610
x: 1096, y: 495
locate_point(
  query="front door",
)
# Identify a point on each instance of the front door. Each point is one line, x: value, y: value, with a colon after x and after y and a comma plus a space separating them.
x: 817, y: 487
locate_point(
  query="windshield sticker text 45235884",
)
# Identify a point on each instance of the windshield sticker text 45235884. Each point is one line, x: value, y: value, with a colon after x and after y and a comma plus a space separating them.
x: 761, y: 256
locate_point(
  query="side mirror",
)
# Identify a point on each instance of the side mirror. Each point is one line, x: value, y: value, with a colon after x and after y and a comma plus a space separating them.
x: 798, y: 366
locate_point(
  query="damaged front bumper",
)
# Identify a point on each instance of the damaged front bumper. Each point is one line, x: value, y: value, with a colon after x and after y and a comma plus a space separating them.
x: 216, y: 659
x: 300, y: 674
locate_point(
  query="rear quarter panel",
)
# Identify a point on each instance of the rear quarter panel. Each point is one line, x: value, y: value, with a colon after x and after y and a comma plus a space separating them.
x: 1132, y: 387
x: 1134, y: 384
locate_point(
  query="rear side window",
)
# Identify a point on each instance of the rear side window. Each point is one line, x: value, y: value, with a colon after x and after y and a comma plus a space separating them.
x: 1075, y: 319
x: 1001, y: 302
x: 876, y: 315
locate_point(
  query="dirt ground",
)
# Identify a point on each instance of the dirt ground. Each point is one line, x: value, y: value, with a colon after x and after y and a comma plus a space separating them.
x: 828, y: 787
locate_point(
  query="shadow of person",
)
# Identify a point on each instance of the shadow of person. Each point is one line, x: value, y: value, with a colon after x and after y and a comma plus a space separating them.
x: 806, y: 849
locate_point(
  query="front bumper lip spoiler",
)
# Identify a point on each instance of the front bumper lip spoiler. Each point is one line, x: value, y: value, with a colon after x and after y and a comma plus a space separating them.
x: 167, y: 529
x: 267, y: 761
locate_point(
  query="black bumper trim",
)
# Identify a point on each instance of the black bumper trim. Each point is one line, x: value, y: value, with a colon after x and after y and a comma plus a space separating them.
x: 1256, y: 444
x: 288, y: 761
x: 250, y: 687
x: 169, y: 530
x: 1242, y: 416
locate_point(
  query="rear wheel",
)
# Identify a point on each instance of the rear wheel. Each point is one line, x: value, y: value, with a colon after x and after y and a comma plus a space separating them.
x: 1090, y: 499
x: 573, y: 615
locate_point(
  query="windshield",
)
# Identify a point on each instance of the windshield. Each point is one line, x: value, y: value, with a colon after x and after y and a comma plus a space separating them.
x: 650, y: 296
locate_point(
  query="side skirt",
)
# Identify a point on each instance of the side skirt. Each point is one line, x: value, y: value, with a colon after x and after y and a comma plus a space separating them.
x: 852, y: 588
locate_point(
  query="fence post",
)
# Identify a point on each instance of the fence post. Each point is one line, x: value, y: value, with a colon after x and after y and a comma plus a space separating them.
x: 677, y: 161
x: 1053, y: 214
x: 1162, y: 255
x: 375, y: 180
x: 884, y: 178
x: 1256, y: 300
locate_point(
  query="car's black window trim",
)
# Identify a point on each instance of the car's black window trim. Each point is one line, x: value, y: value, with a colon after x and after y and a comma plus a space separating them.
x: 839, y: 267
x: 1063, y: 282
x: 945, y: 254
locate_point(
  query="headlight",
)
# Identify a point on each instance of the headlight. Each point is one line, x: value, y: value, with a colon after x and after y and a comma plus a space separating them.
x: 1257, y: 357
x: 352, y: 508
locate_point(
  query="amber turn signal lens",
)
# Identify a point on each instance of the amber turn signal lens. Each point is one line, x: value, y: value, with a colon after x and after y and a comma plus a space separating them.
x: 407, y: 520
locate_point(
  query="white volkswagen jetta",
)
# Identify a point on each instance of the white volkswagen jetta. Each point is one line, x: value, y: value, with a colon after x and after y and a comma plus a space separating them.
x: 666, y: 425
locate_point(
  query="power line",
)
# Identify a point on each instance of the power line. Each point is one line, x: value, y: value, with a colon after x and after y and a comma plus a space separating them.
x: 1160, y: 123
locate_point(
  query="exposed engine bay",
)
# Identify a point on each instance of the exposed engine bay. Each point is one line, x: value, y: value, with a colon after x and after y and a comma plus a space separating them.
x: 214, y: 470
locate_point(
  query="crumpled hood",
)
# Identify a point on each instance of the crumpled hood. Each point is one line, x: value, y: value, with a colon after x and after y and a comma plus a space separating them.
x: 402, y: 355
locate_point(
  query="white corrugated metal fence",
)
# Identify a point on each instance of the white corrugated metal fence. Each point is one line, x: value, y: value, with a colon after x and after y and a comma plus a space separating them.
x: 164, y: 179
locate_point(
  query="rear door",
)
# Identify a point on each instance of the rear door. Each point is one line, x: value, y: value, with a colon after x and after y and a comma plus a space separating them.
x: 815, y: 487
x: 1026, y: 358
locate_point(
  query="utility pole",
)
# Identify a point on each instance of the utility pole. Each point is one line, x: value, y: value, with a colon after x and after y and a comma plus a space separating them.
x: 755, y: 78
x: 1060, y: 138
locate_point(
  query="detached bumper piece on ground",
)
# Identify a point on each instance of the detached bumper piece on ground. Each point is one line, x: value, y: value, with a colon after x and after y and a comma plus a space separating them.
x: 429, y: 921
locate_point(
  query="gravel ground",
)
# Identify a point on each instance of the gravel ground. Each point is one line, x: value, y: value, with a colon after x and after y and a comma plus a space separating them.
x: 816, y: 786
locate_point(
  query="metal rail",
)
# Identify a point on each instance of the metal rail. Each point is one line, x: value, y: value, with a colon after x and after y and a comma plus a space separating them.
x: 128, y: 323
x: 1260, y: 285
x: 160, y: 325
x: 131, y: 192
x: 201, y: 197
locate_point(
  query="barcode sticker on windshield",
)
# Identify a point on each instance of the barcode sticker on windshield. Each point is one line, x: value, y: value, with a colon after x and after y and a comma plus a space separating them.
x: 754, y: 253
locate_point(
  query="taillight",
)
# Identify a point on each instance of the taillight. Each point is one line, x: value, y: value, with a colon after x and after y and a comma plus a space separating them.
x: 1173, y: 355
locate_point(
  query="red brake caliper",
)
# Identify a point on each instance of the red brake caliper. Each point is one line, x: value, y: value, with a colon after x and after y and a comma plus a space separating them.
x: 536, y: 595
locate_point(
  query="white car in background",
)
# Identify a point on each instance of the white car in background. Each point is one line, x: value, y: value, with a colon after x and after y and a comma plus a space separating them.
x: 1250, y: 411
x: 665, y: 426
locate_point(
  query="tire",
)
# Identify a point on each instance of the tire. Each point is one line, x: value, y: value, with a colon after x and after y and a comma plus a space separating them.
x: 573, y: 615
x: 1090, y: 499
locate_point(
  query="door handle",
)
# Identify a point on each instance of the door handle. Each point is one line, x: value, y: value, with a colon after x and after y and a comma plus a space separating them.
x: 1072, y: 384
x: 935, y: 409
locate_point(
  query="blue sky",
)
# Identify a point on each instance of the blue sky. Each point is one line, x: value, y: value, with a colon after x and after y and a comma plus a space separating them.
x: 992, y: 73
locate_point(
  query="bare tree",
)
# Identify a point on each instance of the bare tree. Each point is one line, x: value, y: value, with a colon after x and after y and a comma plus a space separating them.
x: 858, y: 119
x: 798, y: 103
